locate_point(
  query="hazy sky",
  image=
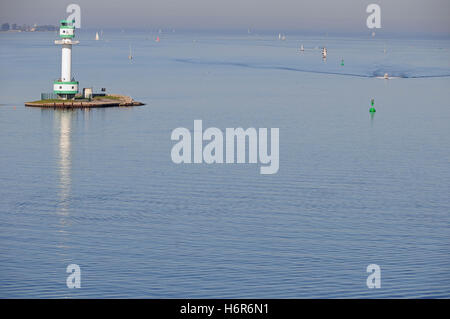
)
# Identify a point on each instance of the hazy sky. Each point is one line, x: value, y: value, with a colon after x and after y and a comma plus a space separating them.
x: 279, y: 15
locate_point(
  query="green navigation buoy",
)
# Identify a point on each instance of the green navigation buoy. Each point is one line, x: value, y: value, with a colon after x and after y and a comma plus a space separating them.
x: 372, y: 109
x: 342, y: 62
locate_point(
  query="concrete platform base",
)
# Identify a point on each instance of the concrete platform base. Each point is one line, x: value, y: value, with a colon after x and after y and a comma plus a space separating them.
x: 112, y: 100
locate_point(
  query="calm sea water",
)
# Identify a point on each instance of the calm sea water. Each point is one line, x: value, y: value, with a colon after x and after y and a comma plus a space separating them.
x: 98, y: 187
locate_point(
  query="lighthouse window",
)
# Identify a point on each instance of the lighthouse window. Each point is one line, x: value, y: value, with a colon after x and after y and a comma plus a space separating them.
x: 60, y: 87
x: 73, y: 87
x: 64, y: 31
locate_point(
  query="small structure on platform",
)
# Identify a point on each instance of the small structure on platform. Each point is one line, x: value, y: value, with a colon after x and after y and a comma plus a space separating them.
x: 87, y: 93
x: 66, y: 89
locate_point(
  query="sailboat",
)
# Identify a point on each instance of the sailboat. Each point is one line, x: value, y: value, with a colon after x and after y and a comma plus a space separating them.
x: 96, y: 36
x: 386, y: 76
x: 157, y: 38
x: 302, y: 48
x: 324, y: 53
x: 130, y: 57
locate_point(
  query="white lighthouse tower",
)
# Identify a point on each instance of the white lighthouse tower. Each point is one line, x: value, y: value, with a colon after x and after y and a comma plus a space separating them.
x: 66, y: 86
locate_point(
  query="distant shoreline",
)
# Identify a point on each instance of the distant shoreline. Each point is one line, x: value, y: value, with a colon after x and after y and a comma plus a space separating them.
x: 18, y: 31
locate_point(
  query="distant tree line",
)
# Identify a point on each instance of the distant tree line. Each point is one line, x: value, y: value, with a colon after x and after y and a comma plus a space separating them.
x: 16, y: 27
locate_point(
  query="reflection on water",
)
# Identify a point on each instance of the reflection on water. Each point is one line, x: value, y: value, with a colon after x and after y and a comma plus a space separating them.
x: 372, y: 116
x: 63, y: 123
x: 64, y: 119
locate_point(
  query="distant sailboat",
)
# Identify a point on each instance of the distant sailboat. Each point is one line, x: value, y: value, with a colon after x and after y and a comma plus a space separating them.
x: 130, y: 57
x: 157, y: 39
x: 324, y: 53
x: 302, y: 48
x: 96, y: 36
x: 386, y: 76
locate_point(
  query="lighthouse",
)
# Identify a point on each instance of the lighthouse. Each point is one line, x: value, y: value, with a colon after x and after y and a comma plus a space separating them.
x: 66, y: 87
